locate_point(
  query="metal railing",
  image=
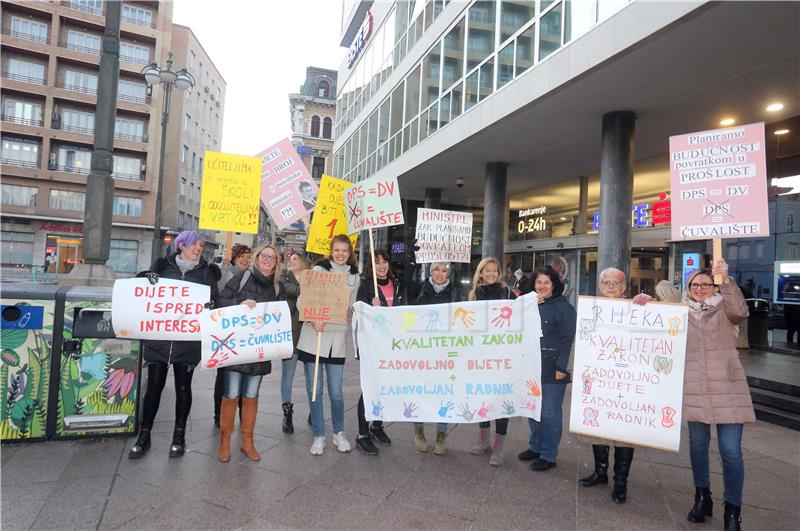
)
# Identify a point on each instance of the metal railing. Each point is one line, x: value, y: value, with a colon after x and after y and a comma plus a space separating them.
x: 24, y: 79
x: 77, y: 129
x: 134, y: 60
x: 134, y: 138
x: 20, y: 163
x: 79, y: 48
x: 25, y: 36
x: 77, y: 88
x: 138, y: 22
x: 22, y: 121
x: 128, y: 176
x: 134, y: 99
x: 85, y: 9
x: 68, y: 169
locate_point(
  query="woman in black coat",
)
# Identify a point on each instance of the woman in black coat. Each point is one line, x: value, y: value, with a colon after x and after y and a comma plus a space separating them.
x: 187, y: 265
x: 258, y: 283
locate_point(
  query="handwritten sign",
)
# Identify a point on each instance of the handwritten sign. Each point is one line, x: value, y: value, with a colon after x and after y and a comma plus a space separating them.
x: 324, y: 297
x: 168, y: 310
x: 329, y: 216
x: 287, y: 188
x: 236, y: 334
x: 460, y: 362
x: 443, y: 236
x: 229, y: 200
x: 719, y: 184
x: 373, y: 203
x: 629, y: 363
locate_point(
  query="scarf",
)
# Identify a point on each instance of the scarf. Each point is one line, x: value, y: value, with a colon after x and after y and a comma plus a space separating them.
x: 697, y: 309
x: 186, y: 265
x: 438, y: 288
x: 336, y: 268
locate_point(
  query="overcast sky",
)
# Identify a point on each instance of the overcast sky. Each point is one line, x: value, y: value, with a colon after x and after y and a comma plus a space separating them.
x: 262, y: 49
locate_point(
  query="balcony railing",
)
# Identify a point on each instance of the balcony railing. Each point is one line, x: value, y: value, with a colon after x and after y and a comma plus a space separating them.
x: 151, y: 24
x: 20, y: 163
x: 22, y: 121
x: 133, y: 138
x: 79, y: 48
x: 78, y: 129
x: 77, y: 88
x: 128, y: 176
x: 68, y: 169
x: 133, y: 99
x: 24, y: 79
x: 134, y: 60
x: 25, y: 36
x: 86, y: 9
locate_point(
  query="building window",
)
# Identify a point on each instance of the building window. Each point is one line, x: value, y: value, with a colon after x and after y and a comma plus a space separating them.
x: 137, y: 15
x: 134, y: 53
x: 16, y: 248
x: 318, y: 167
x: 327, y: 128
x: 20, y: 152
x: 128, y: 129
x: 183, y: 186
x: 132, y: 91
x: 83, y: 42
x: 77, y: 121
x: 92, y: 6
x: 22, y: 111
x: 66, y: 200
x: 129, y: 168
x: 324, y: 89
x: 314, y: 126
x: 185, y: 153
x: 73, y: 159
x: 81, y: 82
x: 187, y: 121
x: 127, y: 206
x: 22, y: 196
x: 25, y: 71
x: 25, y: 28
x: 123, y: 256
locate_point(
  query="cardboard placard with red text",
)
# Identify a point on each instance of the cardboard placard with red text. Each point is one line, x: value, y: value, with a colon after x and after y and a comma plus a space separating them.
x: 324, y: 297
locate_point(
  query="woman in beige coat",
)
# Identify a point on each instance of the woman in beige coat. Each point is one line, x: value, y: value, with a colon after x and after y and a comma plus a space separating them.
x: 715, y: 388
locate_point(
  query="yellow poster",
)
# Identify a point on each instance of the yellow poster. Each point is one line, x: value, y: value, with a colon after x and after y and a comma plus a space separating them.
x: 329, y: 216
x: 231, y: 192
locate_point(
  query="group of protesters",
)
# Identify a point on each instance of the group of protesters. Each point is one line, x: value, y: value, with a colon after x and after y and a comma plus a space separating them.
x: 715, y: 389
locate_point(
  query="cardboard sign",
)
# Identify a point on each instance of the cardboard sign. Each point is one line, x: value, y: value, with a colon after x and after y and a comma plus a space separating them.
x: 459, y: 362
x: 373, y: 203
x: 443, y: 236
x: 168, y: 310
x: 329, y: 216
x: 287, y: 188
x: 324, y: 297
x: 236, y: 334
x: 719, y: 184
x: 229, y: 200
x: 629, y: 361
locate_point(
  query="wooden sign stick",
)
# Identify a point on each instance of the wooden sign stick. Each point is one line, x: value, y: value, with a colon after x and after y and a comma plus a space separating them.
x: 316, y: 368
x: 372, y: 257
x: 229, y: 243
x: 716, y: 255
x: 306, y: 223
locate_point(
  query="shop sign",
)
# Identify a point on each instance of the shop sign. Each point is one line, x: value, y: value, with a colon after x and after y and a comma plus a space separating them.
x: 74, y: 229
x: 643, y: 215
x: 535, y: 221
x: 360, y: 40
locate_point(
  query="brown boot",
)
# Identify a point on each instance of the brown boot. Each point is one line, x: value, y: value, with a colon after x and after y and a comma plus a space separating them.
x: 226, y: 417
x: 249, y: 411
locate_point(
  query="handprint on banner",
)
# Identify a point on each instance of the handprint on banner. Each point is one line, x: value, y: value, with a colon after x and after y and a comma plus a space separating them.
x: 382, y: 324
x: 484, y: 410
x: 465, y: 316
x: 508, y: 408
x: 466, y: 414
x: 409, y: 320
x: 533, y: 388
x: 503, y: 318
x: 377, y: 409
x: 434, y: 320
x: 526, y: 404
x: 409, y: 410
x: 444, y: 411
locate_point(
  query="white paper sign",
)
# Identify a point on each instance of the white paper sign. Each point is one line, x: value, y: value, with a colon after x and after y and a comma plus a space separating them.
x: 168, y: 310
x: 459, y: 362
x: 443, y: 236
x: 236, y: 334
x: 629, y: 361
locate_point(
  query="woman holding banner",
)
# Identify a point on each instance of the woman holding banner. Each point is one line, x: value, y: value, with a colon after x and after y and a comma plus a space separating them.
x: 291, y: 283
x: 389, y: 295
x: 258, y: 283
x: 333, y: 349
x: 488, y: 285
x: 436, y: 290
x: 188, y: 265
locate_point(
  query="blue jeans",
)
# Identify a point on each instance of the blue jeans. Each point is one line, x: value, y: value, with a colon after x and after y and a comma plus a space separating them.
x: 729, y: 438
x: 239, y: 384
x: 546, y: 433
x: 288, y: 367
x: 334, y: 376
x: 440, y: 426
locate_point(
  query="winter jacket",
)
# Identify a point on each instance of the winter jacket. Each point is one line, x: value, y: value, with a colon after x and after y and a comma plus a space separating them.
x: 291, y: 285
x: 558, y: 332
x: 228, y: 272
x: 492, y: 292
x: 428, y: 295
x: 181, y: 351
x: 333, y: 345
x: 366, y: 292
x: 715, y: 387
x: 259, y: 288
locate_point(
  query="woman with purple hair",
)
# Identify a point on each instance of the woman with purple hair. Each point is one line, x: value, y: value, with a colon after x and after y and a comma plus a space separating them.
x: 186, y: 264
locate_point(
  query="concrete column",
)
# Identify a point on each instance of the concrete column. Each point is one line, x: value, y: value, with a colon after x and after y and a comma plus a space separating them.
x: 494, y: 210
x: 616, y: 191
x: 433, y: 198
x: 583, y: 206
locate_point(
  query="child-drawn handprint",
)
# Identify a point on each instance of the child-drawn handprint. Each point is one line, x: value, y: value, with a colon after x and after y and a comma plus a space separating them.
x: 465, y: 316
x: 444, y: 410
x: 409, y: 320
x: 533, y: 388
x: 382, y: 324
x: 433, y: 321
x: 508, y: 408
x: 377, y: 409
x: 409, y: 410
x: 485, y: 410
x: 466, y: 414
x: 503, y: 318
x: 529, y: 405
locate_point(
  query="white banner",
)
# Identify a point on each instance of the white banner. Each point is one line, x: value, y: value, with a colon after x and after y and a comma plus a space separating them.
x: 443, y: 236
x: 460, y: 362
x: 167, y: 310
x: 236, y: 334
x: 628, y: 381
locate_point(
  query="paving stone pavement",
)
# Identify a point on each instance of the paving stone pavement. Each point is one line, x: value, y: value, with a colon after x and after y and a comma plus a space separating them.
x: 90, y: 484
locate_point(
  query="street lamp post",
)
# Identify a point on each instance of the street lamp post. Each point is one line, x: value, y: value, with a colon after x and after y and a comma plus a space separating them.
x: 183, y: 80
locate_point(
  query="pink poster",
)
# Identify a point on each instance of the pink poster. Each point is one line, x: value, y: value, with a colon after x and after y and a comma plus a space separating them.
x: 719, y: 184
x: 287, y: 188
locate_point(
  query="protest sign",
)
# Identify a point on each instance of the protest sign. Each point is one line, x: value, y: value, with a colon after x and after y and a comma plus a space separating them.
x: 325, y: 297
x: 329, y: 216
x: 443, y: 236
x: 236, y: 334
x: 459, y: 362
x: 719, y: 184
x: 373, y: 203
x: 629, y: 362
x: 168, y: 310
x: 229, y: 200
x: 287, y: 188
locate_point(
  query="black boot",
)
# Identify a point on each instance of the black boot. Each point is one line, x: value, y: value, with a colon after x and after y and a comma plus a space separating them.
x: 142, y: 444
x: 287, y: 425
x: 178, y: 447
x: 600, y: 474
x: 733, y: 518
x: 703, y: 506
x: 623, y: 456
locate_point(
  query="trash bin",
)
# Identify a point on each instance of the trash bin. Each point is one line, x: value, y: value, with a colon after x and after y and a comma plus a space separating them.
x: 757, y: 325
